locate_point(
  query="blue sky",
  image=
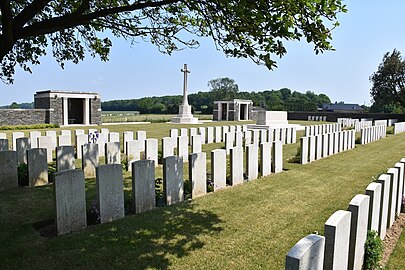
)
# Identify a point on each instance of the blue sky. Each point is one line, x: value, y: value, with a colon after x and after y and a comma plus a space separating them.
x: 368, y: 30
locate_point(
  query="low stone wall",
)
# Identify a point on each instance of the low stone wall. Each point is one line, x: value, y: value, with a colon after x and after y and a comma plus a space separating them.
x: 13, y: 117
x: 333, y: 116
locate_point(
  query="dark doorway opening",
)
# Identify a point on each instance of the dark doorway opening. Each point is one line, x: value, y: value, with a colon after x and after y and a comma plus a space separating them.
x: 242, y: 112
x: 75, y: 110
x: 224, y: 111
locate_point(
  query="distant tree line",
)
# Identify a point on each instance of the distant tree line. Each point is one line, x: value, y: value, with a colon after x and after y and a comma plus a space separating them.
x: 222, y: 89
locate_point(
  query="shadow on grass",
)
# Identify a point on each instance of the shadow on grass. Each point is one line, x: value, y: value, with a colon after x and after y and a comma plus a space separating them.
x: 150, y: 240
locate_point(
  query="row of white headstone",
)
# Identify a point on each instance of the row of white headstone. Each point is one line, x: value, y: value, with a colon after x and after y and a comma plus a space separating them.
x: 363, y: 124
x: 314, y: 130
x: 342, y: 247
x: 69, y: 185
x: 316, y: 118
x: 347, y: 122
x: 320, y: 146
x: 371, y: 134
x: 399, y: 127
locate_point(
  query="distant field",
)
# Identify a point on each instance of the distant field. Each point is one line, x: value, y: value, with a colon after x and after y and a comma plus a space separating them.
x: 134, y: 116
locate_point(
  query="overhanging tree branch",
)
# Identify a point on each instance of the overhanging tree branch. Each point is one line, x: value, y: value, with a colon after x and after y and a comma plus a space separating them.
x: 74, y: 19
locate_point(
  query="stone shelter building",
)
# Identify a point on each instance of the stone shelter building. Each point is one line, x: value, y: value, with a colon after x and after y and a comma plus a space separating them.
x: 233, y: 110
x: 57, y: 107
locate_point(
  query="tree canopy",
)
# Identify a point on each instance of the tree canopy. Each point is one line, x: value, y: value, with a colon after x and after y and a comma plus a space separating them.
x: 240, y: 28
x: 223, y: 88
x: 388, y: 84
x: 283, y: 99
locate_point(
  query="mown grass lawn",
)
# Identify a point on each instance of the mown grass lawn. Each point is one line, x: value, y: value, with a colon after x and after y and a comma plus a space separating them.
x: 251, y: 226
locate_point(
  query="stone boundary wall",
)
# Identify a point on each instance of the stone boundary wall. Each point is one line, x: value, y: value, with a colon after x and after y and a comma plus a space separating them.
x: 13, y: 117
x: 333, y: 116
x: 342, y: 247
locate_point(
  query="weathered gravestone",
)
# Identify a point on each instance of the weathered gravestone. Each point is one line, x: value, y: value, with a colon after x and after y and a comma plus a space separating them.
x: 143, y: 185
x: 277, y: 157
x: 337, y: 235
x: 359, y: 207
x: 196, y: 144
x: 64, y: 140
x: 65, y: 158
x: 70, y: 201
x: 34, y: 138
x: 373, y: 190
x: 218, y: 134
x: 252, y: 161
x: 168, y: 146
x: 151, y: 150
x: 3, y: 145
x: 37, y: 167
x: 52, y: 135
x: 182, y: 147
x: 173, y: 184
x: 80, y: 140
x: 198, y: 174
x: 218, y: 168
x: 393, y: 172
x: 202, y: 132
x: 265, y: 159
x: 113, y: 137
x: 134, y: 150
x: 210, y: 134
x: 110, y: 192
x: 236, y: 166
x: 8, y: 169
x: 15, y: 136
x: 23, y: 144
x: 384, y: 180
x: 306, y: 254
x: 46, y: 142
x: 112, y: 153
x: 90, y: 159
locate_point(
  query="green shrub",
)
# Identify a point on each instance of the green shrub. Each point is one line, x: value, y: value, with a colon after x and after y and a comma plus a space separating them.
x: 22, y: 170
x: 51, y: 171
x: 124, y: 162
x: 21, y: 127
x: 373, y: 251
x: 297, y: 157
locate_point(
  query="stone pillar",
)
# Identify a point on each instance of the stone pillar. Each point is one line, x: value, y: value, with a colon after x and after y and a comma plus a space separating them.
x: 86, y: 112
x: 173, y: 183
x: 65, y: 112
